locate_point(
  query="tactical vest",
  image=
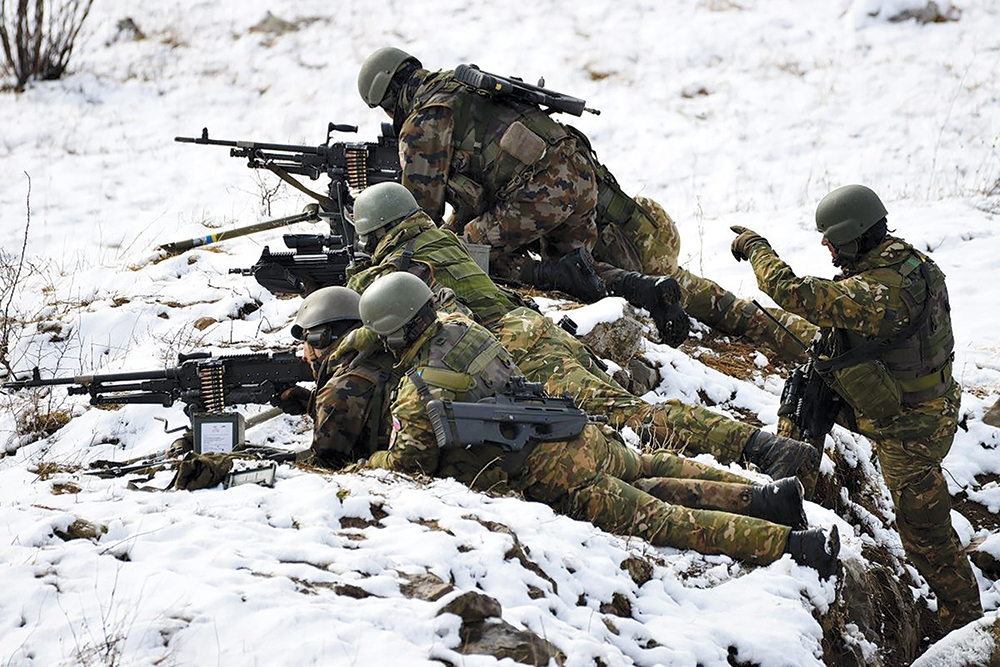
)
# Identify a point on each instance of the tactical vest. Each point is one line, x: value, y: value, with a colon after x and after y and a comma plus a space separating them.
x: 452, y: 267
x: 366, y: 358
x: 920, y: 363
x: 491, y: 149
x: 463, y: 362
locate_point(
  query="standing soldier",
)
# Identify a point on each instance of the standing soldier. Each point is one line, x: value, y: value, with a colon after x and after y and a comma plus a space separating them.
x: 401, y: 237
x: 886, y: 329
x: 449, y: 359
x: 514, y: 177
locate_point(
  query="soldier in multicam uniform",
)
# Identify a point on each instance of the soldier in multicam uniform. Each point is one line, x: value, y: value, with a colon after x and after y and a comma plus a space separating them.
x: 400, y: 236
x: 354, y: 375
x: 886, y: 315
x: 515, y: 178
x: 450, y: 357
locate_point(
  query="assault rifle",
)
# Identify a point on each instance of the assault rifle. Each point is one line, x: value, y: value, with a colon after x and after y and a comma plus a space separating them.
x: 315, y: 261
x: 206, y: 385
x: 513, y: 419
x: 806, y: 399
x: 350, y: 166
x: 494, y: 84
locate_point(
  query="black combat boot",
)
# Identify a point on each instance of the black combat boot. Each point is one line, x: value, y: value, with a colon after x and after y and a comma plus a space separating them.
x: 780, y: 502
x: 780, y: 457
x: 660, y: 296
x: 814, y: 549
x: 574, y: 274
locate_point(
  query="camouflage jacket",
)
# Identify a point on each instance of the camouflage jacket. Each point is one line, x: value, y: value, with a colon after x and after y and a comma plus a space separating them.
x: 439, y: 258
x: 875, y: 299
x: 351, y: 400
x: 456, y: 359
x: 449, y: 143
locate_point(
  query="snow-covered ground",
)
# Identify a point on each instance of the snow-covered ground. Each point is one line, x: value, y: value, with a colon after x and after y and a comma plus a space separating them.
x: 725, y: 112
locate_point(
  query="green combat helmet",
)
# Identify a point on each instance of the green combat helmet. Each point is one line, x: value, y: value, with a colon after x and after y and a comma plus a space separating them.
x: 322, y: 307
x: 845, y: 214
x: 381, y: 205
x: 377, y: 71
x: 392, y: 301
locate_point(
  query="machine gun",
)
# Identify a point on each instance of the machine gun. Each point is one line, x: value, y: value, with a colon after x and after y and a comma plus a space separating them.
x: 501, y: 86
x: 206, y: 385
x: 350, y: 166
x: 315, y: 261
x: 523, y: 414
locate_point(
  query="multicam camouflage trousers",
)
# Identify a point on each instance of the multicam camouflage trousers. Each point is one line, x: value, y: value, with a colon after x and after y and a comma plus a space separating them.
x: 910, y: 447
x: 553, y: 203
x: 588, y: 478
x: 547, y: 354
x: 652, y: 245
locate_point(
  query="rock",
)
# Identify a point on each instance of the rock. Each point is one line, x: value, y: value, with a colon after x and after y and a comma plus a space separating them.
x: 929, y: 13
x: 871, y: 601
x: 126, y: 30
x: 992, y: 416
x: 273, y: 25
x: 426, y: 586
x: 502, y: 640
x: 619, y: 606
x: 203, y: 323
x: 618, y: 340
x: 987, y: 563
x: 484, y: 633
x: 472, y: 607
x: 81, y: 529
x: 639, y: 569
x: 645, y: 377
x: 973, y: 645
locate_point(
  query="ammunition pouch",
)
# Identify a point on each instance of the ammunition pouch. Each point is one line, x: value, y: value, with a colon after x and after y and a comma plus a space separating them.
x: 468, y: 198
x: 868, y: 388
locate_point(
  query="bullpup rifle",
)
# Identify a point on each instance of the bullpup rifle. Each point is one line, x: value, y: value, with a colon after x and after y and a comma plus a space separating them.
x: 513, y: 419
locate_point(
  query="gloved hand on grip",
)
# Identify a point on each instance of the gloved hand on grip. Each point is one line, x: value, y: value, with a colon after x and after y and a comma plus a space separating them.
x: 294, y: 400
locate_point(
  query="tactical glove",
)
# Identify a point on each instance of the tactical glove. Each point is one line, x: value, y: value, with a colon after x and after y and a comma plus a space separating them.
x: 201, y: 471
x: 743, y: 242
x: 673, y: 324
x: 295, y: 400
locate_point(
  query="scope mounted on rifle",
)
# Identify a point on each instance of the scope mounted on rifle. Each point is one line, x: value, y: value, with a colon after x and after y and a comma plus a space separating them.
x: 494, y: 84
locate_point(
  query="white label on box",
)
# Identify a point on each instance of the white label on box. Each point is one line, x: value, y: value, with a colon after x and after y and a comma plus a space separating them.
x: 217, y: 437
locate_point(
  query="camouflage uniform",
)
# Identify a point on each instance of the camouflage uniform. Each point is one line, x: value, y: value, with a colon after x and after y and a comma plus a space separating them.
x: 650, y: 243
x: 545, y: 352
x: 875, y: 300
x: 350, y: 406
x: 587, y: 477
x: 508, y: 189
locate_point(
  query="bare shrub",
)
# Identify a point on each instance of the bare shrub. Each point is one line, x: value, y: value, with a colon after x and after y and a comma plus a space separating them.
x: 37, y: 37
